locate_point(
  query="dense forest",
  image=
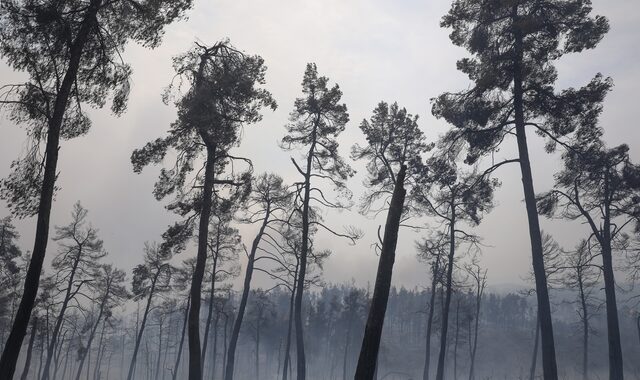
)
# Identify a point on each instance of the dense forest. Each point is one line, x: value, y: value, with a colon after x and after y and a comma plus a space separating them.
x: 235, y: 287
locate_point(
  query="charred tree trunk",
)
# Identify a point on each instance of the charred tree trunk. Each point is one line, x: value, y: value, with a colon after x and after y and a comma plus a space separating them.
x: 301, y: 366
x: 32, y: 278
x: 432, y: 303
x: 136, y: 347
x: 373, y: 330
x: 613, y: 327
x: 287, y: 350
x: 449, y: 286
x: 544, y: 307
x: 59, y: 320
x: 27, y: 363
x: 193, y: 326
x: 212, y: 293
x: 534, y: 359
x: 237, y: 324
x: 616, y: 371
x: 184, y: 327
x: 585, y: 328
x: 456, y: 340
x: 474, y: 347
x: 93, y: 331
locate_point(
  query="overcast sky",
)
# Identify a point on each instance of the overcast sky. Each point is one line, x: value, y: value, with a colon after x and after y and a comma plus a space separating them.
x: 375, y: 50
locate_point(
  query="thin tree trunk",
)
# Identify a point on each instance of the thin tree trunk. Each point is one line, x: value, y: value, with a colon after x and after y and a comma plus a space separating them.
x: 27, y: 363
x: 60, y: 318
x: 215, y: 347
x: 544, y: 307
x: 32, y: 279
x: 287, y: 351
x: 258, y: 349
x: 373, y: 330
x: 304, y: 250
x: 432, y: 302
x: 159, y: 351
x: 96, y: 371
x: 346, y: 350
x: 176, y: 368
x: 474, y: 348
x: 534, y: 360
x: 449, y: 286
x: 144, y: 322
x: 237, y: 324
x: 212, y: 292
x: 455, y: 344
x: 585, y: 328
x: 93, y: 330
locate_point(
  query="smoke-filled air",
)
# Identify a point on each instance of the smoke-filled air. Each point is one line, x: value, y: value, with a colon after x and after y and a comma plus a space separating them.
x: 319, y: 190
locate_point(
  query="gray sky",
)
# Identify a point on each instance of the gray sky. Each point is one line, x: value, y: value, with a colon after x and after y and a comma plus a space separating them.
x: 376, y: 50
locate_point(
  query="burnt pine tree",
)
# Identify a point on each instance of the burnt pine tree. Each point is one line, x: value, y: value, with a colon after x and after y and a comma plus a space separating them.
x: 149, y: 279
x: 111, y: 292
x: 600, y: 186
x: 317, y: 119
x: 514, y: 45
x: 454, y: 198
x: 432, y: 250
x: 71, y: 52
x: 224, y: 247
x: 224, y: 94
x: 580, y: 273
x: 265, y: 206
x: 74, y: 266
x: 393, y: 155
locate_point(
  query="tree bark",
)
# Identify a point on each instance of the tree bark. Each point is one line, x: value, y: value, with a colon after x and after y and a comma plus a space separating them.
x: 32, y: 278
x: 549, y: 365
x: 237, y: 324
x: 373, y: 330
x: 585, y: 327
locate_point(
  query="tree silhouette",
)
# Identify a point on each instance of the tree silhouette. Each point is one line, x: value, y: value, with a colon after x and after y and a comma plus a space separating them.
x: 71, y: 52
x: 599, y: 186
x: 75, y: 266
x: 224, y: 95
x: 514, y: 44
x: 149, y: 279
x: 317, y: 119
x: 265, y: 205
x: 393, y: 153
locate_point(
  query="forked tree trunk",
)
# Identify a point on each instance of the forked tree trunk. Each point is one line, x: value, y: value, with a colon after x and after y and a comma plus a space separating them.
x: 366, y: 367
x: 237, y: 324
x: 549, y: 365
x: 93, y: 330
x: 32, y: 279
